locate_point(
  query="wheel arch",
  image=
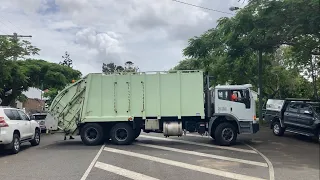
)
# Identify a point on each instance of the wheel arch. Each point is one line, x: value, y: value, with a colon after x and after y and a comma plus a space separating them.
x: 215, y: 121
x: 276, y: 119
x: 16, y: 131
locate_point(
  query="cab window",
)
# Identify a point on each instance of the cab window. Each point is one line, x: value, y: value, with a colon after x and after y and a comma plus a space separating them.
x: 236, y: 95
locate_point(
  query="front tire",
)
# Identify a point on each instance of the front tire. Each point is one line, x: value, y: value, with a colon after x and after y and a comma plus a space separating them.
x: 277, y: 129
x: 36, y: 140
x: 15, y: 144
x: 92, y: 134
x: 225, y: 134
x: 122, y: 134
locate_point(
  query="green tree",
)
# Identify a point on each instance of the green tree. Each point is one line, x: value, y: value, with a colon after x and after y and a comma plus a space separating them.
x: 18, y: 76
x: 12, y: 78
x: 112, y: 68
x: 228, y: 51
x: 67, y: 61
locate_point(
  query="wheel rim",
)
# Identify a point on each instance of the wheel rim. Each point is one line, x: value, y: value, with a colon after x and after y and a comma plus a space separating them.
x: 37, y: 138
x: 16, y: 144
x: 91, y: 134
x: 227, y: 134
x: 276, y: 129
x: 121, y: 134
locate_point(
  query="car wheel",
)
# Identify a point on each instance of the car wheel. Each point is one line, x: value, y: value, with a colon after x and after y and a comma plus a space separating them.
x: 36, y: 140
x: 122, y: 133
x: 277, y: 129
x: 225, y: 134
x: 92, y: 134
x: 15, y: 144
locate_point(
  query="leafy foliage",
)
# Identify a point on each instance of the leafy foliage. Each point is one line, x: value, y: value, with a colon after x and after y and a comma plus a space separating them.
x: 18, y: 76
x: 113, y: 68
x: 287, y: 31
x: 66, y: 60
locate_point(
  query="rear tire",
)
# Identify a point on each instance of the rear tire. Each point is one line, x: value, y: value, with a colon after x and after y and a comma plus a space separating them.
x: 277, y: 129
x: 137, y: 133
x: 36, y: 140
x: 225, y: 134
x: 122, y: 134
x: 92, y: 134
x: 15, y: 144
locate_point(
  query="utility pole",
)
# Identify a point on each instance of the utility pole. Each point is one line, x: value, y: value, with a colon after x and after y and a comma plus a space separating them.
x: 260, y: 85
x: 15, y: 37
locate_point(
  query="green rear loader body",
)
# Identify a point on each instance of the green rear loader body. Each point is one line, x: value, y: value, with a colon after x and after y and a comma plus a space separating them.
x: 124, y: 97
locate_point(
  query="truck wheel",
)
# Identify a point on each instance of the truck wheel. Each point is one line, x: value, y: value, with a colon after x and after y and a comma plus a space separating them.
x: 15, y: 144
x: 122, y: 133
x: 137, y: 133
x: 277, y: 129
x: 92, y: 134
x: 212, y: 136
x: 225, y: 134
x: 36, y: 140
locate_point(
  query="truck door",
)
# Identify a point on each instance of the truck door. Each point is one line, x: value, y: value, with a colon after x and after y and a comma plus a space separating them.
x: 291, y: 115
x: 235, y: 102
x: 306, y: 117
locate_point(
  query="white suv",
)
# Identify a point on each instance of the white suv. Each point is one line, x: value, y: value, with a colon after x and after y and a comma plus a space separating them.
x: 16, y: 128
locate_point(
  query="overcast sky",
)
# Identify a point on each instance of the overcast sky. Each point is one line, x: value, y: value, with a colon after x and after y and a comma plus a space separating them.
x: 150, y: 33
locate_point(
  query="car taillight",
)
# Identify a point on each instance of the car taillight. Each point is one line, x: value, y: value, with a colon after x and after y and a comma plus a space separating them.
x: 3, y: 122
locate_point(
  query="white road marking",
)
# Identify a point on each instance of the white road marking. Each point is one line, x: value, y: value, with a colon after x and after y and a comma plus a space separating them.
x: 184, y: 165
x: 197, y: 135
x: 85, y: 175
x: 271, y: 170
x: 205, y: 155
x: 201, y: 144
x: 123, y: 172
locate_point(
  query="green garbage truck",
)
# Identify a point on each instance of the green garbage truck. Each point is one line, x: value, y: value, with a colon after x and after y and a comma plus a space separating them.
x: 119, y: 106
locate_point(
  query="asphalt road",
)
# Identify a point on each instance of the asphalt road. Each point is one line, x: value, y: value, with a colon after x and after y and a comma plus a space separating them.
x: 154, y: 157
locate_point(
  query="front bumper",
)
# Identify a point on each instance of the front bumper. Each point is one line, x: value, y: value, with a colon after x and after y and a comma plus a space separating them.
x: 255, y: 127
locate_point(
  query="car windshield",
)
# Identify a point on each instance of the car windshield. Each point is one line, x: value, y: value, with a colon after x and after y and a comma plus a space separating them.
x: 39, y: 117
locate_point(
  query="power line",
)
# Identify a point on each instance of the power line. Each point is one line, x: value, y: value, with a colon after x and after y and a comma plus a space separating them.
x: 14, y: 25
x: 202, y: 7
x: 7, y: 27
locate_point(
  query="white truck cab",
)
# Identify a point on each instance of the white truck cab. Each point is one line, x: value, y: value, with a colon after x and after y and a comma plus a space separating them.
x: 16, y: 128
x: 233, y: 104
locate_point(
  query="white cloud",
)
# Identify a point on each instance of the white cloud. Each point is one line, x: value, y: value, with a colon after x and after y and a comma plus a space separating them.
x: 150, y: 33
